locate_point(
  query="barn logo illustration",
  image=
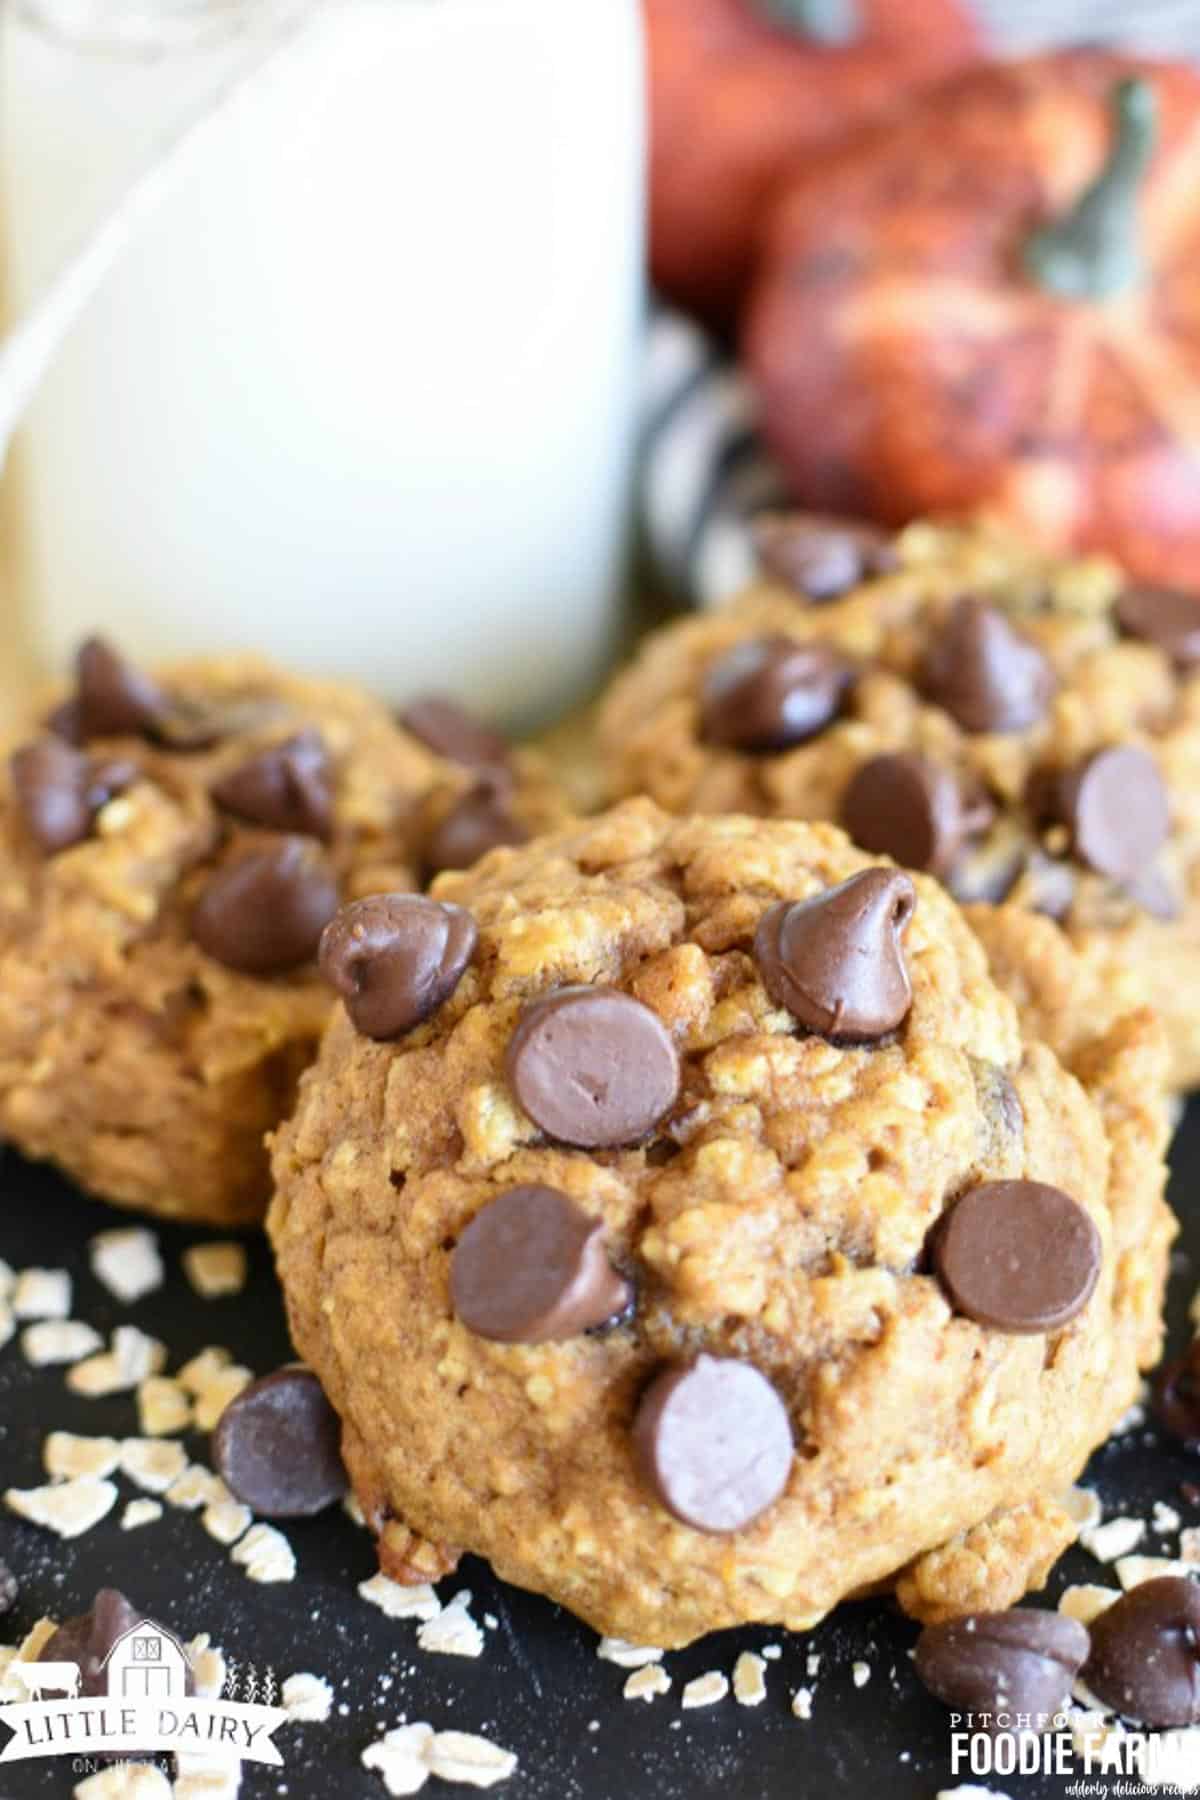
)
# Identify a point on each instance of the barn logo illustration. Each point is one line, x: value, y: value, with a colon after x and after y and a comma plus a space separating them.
x: 147, y: 1706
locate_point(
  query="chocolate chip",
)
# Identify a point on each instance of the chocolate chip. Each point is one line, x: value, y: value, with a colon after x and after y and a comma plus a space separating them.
x: 479, y: 822
x: 822, y: 558
x: 87, y: 1639
x: 836, y: 961
x: 1022, y: 1661
x: 286, y: 788
x: 985, y: 675
x: 771, y: 693
x: 1145, y: 1660
x: 532, y: 1267
x: 277, y: 1446
x: 913, y: 809
x: 1177, y: 1396
x: 9, y: 1588
x: 1164, y: 617
x: 265, y: 913
x: 593, y: 1067
x: 713, y: 1442
x: 447, y: 729
x: 395, y: 958
x: 114, y: 699
x: 1019, y: 1256
x: 50, y: 782
x: 1115, y: 808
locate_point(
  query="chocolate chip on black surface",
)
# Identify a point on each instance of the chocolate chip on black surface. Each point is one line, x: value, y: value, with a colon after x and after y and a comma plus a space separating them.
x: 288, y: 787
x: 1165, y: 617
x: 479, y: 822
x: 9, y: 1588
x: 113, y: 698
x: 1176, y: 1392
x: 264, y: 912
x: 822, y: 558
x: 1022, y: 1661
x: 770, y: 693
x: 533, y: 1267
x: 593, y: 1067
x: 1019, y: 1256
x: 836, y: 962
x: 911, y: 808
x: 450, y: 731
x: 1145, y: 1659
x: 713, y: 1442
x: 277, y: 1446
x: 87, y: 1639
x: 1114, y: 804
x: 986, y: 675
x: 395, y: 958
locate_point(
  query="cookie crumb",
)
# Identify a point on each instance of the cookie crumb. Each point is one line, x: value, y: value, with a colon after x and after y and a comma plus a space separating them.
x: 400, y: 1601
x: 308, y: 1699
x: 140, y: 1512
x: 65, y: 1456
x: 1117, y: 1538
x: 1083, y: 1504
x: 749, y: 1685
x: 626, y: 1656
x: 41, y: 1294
x: 67, y: 1507
x: 127, y: 1262
x: 705, y: 1690
x: 215, y: 1270
x: 812, y: 1664
x: 265, y: 1554
x: 802, y: 1703
x: 52, y: 1341
x: 647, y: 1682
x: 452, y: 1632
x: 164, y: 1406
x: 860, y: 1674
x: 153, y: 1463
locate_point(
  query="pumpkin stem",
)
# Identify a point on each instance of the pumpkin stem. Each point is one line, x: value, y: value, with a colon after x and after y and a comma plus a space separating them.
x: 1092, y: 252
x: 831, y: 22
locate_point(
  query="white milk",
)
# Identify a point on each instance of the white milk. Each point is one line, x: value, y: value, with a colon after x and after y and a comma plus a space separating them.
x: 361, y: 391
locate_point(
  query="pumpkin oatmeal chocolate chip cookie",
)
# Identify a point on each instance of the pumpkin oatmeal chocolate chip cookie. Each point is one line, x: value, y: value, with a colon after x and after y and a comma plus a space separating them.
x: 680, y: 1215
x: 171, y: 849
x: 1025, y: 728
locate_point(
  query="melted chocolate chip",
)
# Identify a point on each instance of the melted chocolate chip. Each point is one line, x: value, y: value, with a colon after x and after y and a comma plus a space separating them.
x: 113, y: 698
x: 1018, y: 1256
x: 911, y: 808
x: 1164, y: 617
x: 1022, y: 1661
x: 532, y: 1267
x: 286, y: 788
x: 395, y: 958
x: 985, y: 675
x: 479, y: 822
x: 713, y: 1443
x: 836, y: 961
x: 264, y: 913
x: 87, y: 1639
x: 1115, y: 808
x: 593, y: 1067
x: 450, y: 731
x: 822, y: 558
x: 771, y: 693
x: 1145, y: 1660
x: 277, y: 1446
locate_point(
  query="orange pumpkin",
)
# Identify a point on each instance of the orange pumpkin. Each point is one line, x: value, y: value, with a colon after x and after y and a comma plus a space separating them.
x: 739, y: 87
x: 996, y: 303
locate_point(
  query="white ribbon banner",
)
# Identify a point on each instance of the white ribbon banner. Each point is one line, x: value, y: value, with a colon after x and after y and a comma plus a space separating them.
x: 89, y: 1727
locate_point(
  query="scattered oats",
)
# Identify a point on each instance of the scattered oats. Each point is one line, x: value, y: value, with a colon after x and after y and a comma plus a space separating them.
x: 400, y: 1601
x: 1117, y: 1538
x: 203, y: 1368
x: 226, y: 1519
x: 1165, y: 1519
x: 749, y: 1687
x: 58, y: 1341
x: 266, y: 1554
x: 308, y: 1699
x: 860, y: 1673
x: 125, y: 1781
x: 216, y: 1269
x: 812, y: 1664
x: 399, y: 1757
x: 1083, y: 1504
x: 705, y: 1690
x: 1189, y: 1544
x: 1131, y: 1571
x: 471, y: 1761
x: 772, y: 1652
x: 208, y: 1667
x: 206, y: 1775
x: 68, y: 1507
x: 164, y: 1406
x: 802, y: 1703
x: 1086, y: 1602
x: 453, y: 1632
x: 626, y: 1656
x: 196, y: 1487
x: 30, y: 1648
x: 41, y: 1294
x: 127, y: 1262
x: 212, y: 1399
x: 65, y: 1456
x: 647, y: 1682
x: 153, y: 1463
x: 352, y: 1507
x: 132, y: 1357
x: 140, y: 1512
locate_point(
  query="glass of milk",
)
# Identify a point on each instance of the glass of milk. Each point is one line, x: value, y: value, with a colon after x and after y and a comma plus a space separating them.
x: 359, y: 390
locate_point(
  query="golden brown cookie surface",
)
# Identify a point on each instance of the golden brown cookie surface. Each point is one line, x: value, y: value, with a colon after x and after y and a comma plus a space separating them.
x: 769, y: 1235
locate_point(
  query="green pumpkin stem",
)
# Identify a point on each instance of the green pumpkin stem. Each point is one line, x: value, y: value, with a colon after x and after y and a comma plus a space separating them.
x: 829, y: 22
x: 1093, y: 251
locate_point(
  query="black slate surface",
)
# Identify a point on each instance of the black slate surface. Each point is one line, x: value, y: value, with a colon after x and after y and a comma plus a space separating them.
x: 539, y: 1688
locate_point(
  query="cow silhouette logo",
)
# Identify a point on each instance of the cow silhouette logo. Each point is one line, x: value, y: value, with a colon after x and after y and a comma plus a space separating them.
x: 147, y: 1662
x: 42, y: 1678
